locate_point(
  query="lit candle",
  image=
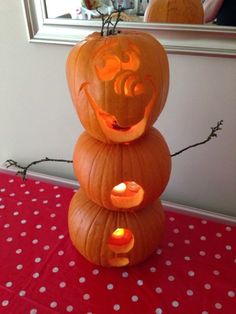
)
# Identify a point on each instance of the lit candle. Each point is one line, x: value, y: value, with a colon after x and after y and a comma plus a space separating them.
x: 120, y: 236
x: 119, y: 189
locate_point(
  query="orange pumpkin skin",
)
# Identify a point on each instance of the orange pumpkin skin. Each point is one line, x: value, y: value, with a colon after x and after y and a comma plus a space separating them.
x: 99, y: 167
x: 175, y: 11
x: 90, y: 227
x: 118, y: 84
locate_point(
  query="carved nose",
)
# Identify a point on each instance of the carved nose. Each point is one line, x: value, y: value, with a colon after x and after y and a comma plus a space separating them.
x: 128, y: 84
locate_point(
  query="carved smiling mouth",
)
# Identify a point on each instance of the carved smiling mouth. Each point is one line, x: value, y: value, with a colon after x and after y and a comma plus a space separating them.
x: 110, y: 125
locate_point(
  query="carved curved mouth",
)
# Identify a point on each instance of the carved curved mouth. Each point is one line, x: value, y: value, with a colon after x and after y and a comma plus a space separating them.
x: 110, y: 125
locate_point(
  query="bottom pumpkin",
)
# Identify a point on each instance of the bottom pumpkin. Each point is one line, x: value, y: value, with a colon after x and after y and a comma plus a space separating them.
x: 114, y: 238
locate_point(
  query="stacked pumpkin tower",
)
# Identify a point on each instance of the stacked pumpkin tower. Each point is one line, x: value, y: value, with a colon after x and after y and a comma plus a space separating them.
x: 119, y: 84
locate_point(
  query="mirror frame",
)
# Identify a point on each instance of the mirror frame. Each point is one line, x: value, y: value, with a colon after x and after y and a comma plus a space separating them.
x: 177, y: 38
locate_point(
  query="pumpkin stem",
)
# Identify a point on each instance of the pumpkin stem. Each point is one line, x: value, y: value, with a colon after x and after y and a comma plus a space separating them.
x: 107, y: 22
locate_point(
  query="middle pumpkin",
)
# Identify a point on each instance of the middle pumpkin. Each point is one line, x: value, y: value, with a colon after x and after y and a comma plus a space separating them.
x: 123, y: 176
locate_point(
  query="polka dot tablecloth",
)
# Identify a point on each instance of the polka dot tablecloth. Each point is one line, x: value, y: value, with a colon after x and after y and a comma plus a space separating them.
x: 193, y: 270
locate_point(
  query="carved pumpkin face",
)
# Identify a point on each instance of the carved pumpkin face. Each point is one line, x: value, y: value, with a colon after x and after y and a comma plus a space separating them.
x: 118, y: 84
x: 114, y: 239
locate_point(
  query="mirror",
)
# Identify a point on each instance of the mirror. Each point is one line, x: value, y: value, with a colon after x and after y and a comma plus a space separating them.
x: 68, y: 27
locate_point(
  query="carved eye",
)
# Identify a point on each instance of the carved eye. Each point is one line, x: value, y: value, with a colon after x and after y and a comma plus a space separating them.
x: 111, y: 66
x: 128, y: 84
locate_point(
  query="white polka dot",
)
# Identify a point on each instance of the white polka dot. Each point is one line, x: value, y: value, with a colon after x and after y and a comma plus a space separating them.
x: 2, y: 206
x: 55, y: 187
x: 11, y: 181
x: 86, y: 296
x: 69, y: 308
x: 191, y: 273
x: 35, y: 275
x: 218, y: 306
x: 39, y: 226
x: 27, y: 192
x: 159, y: 252
x: 53, y: 228
x: 172, y: 218
x: 5, y: 303
x: 37, y: 259
x: 116, y: 307
x: 176, y: 230
x: 16, y: 213
x: 204, y: 222
x: 23, y: 234
x: 58, y: 205
x: 187, y: 258
x: 219, y: 235
x: 35, y: 241
x: 204, y: 312
x: 53, y: 215
x: 72, y: 263
x: 231, y: 294
x: 6, y: 225
x: 168, y: 263
x: 203, y: 238
x: 110, y: 286
x: 22, y: 293
x: 95, y: 272
x: 140, y: 282
x: 9, y: 239
x: 61, y: 236
x: 53, y: 304
x: 62, y: 284
x: 158, y: 290
x: 216, y: 272
x: 19, y: 266
x: 189, y: 292
x: 153, y: 269
x: 158, y: 311
x: 45, y: 201
x: 207, y: 286
x: 37, y: 182
x: 228, y: 228
x: 22, y: 185
x: 217, y: 256
x: 41, y: 190
x: 55, y: 269
x: 60, y: 253
x: 34, y: 199
x: 36, y: 212
x: 46, y: 247
x: 187, y: 241
x: 33, y: 311
x: 9, y: 284
x: 3, y: 190
x: 228, y: 247
x: 19, y: 203
x: 134, y: 298
x: 82, y: 279
x: 125, y: 274
x: 171, y: 278
x: 175, y: 303
x: 202, y: 253
x: 18, y: 251
x: 58, y: 195
x: 171, y: 244
x: 12, y: 194
x: 23, y: 221
x: 42, y: 289
x: 191, y: 227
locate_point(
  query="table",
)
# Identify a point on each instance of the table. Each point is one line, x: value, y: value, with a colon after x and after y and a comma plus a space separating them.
x: 192, y: 271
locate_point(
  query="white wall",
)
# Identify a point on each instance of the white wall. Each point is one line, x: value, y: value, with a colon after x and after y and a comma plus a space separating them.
x: 37, y: 118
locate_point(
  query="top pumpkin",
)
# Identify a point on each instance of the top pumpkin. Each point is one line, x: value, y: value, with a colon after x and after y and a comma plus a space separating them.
x: 175, y: 11
x: 118, y: 83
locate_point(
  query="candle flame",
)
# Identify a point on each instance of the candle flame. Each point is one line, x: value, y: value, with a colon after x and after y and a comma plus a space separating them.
x: 119, y: 232
x: 120, y: 187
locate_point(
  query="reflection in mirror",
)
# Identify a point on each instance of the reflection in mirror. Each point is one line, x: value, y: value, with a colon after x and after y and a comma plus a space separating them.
x: 61, y: 24
x: 133, y: 10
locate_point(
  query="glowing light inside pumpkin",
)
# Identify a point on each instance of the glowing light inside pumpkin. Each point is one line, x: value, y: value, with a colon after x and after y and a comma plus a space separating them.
x: 127, y: 194
x: 121, y: 241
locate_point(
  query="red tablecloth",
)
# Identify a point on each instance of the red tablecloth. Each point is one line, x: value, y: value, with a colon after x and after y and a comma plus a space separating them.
x: 193, y: 271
